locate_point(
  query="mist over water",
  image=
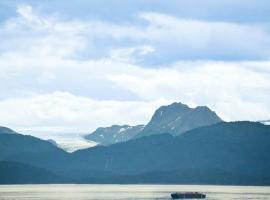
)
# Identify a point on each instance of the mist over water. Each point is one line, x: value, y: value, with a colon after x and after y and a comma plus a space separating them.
x: 124, y: 192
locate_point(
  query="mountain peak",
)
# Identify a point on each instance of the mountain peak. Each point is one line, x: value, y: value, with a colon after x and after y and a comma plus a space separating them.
x: 170, y: 111
x: 204, y: 108
x: 5, y: 130
x: 175, y: 105
x: 114, y: 134
x: 177, y: 118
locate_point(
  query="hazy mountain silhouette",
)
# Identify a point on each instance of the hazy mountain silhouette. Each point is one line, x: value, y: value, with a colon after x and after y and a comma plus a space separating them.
x: 5, y: 130
x: 114, y: 134
x: 223, y: 153
x: 178, y: 118
x: 172, y: 119
x: 18, y: 173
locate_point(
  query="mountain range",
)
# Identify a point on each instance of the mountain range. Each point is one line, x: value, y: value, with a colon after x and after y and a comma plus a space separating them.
x: 232, y: 153
x: 173, y: 119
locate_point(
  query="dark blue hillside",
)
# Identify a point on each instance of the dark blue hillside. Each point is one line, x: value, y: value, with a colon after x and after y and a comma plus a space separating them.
x: 223, y: 153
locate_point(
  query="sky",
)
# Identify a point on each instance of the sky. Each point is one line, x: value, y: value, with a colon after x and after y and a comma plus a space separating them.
x: 67, y: 68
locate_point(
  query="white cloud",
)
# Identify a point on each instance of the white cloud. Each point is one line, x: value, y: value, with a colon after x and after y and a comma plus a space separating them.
x: 234, y: 89
x: 61, y: 112
x: 206, y: 39
x: 34, y: 34
x: 131, y: 54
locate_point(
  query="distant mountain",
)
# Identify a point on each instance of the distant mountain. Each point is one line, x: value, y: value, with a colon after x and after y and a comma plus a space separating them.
x: 5, y: 130
x: 114, y: 134
x: 15, y: 144
x: 173, y: 119
x: 266, y: 122
x: 18, y: 173
x: 27, y: 153
x: 53, y: 142
x: 223, y: 153
x: 178, y: 118
x: 226, y: 145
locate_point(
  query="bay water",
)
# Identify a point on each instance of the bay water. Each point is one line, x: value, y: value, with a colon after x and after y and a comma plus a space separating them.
x: 125, y: 192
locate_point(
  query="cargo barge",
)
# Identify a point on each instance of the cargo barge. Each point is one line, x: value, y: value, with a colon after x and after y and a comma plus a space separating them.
x: 188, y: 195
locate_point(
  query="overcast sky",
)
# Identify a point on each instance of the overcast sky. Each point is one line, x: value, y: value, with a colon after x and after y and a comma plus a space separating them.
x: 71, y: 66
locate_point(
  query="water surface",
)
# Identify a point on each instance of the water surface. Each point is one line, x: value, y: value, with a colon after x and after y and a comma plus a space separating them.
x: 124, y: 192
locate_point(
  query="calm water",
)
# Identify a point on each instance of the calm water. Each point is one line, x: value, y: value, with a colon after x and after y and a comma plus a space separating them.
x: 124, y: 192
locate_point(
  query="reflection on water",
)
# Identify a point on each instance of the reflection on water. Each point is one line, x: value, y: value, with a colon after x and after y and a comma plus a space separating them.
x: 124, y: 192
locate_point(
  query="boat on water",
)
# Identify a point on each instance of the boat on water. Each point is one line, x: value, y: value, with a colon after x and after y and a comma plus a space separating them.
x: 188, y: 195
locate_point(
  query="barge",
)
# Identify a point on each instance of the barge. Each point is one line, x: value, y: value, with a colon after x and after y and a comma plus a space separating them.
x: 188, y: 195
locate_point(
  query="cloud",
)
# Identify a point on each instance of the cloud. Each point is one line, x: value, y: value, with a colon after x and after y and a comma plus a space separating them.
x: 58, y: 77
x: 188, y: 39
x: 230, y: 10
x: 34, y: 34
x: 132, y: 54
x: 236, y: 90
x: 63, y: 113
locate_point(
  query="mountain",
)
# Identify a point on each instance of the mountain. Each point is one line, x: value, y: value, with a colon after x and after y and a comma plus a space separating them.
x: 18, y: 173
x: 173, y: 119
x: 53, y: 142
x: 114, y: 134
x: 5, y: 130
x: 178, y: 118
x: 237, y: 147
x: 222, y: 153
x: 15, y: 144
x: 28, y: 153
x: 266, y: 122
